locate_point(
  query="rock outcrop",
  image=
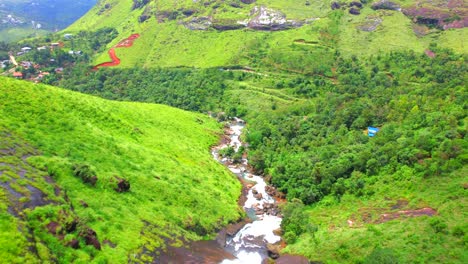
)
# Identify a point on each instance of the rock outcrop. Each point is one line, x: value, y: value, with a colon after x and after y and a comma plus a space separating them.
x: 269, y: 19
x: 436, y: 17
x: 199, y: 23
x: 387, y: 5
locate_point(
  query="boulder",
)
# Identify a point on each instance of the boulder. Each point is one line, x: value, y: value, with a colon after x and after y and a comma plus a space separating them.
x: 385, y: 4
x: 258, y: 196
x: 123, y: 185
x: 278, y: 232
x: 354, y: 11
x: 74, y: 243
x: 355, y: 4
x: 248, y: 1
x: 335, y: 5
x: 90, y: 237
x: 273, y: 251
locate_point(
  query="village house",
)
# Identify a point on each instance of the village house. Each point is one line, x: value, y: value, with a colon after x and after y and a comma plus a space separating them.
x: 18, y: 75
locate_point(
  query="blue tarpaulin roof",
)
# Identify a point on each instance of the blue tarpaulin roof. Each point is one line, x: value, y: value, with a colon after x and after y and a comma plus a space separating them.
x: 371, y: 131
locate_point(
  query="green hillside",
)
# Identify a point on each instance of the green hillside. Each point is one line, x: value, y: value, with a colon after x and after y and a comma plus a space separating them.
x: 66, y: 160
x: 168, y: 35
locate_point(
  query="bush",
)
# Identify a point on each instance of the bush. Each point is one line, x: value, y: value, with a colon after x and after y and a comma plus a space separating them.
x: 85, y: 172
x: 438, y: 225
x: 382, y: 256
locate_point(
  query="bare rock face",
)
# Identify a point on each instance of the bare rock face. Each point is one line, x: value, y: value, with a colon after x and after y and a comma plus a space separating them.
x: 370, y: 24
x: 269, y: 19
x: 385, y: 4
x: 199, y: 23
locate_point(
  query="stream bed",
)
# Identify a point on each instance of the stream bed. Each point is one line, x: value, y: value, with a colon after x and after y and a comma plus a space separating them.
x: 251, y: 241
x: 249, y: 244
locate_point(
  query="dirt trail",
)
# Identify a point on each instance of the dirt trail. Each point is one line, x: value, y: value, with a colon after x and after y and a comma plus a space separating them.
x: 125, y: 43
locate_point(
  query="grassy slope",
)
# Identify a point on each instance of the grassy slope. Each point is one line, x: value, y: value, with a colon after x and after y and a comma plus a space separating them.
x: 170, y: 44
x: 337, y: 241
x: 162, y: 151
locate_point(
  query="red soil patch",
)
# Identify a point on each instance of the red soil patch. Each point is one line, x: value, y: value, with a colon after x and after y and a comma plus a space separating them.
x: 125, y: 43
x: 408, y: 213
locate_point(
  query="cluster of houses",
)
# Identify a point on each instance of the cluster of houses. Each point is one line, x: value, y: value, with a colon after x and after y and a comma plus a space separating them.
x: 52, y: 46
x: 26, y: 65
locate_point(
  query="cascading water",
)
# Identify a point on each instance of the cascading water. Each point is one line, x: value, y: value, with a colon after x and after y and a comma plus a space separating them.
x: 249, y: 245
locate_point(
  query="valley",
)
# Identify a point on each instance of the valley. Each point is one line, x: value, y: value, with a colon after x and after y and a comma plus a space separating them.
x: 350, y: 116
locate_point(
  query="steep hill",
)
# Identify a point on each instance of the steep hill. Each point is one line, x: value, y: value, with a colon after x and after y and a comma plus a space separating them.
x: 86, y: 179
x: 272, y: 34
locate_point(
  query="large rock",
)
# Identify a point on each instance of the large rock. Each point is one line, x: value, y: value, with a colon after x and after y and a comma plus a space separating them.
x: 273, y: 251
x: 385, y: 4
x: 269, y: 19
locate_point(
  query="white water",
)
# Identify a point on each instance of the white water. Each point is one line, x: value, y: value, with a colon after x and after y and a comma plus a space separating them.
x: 249, y: 244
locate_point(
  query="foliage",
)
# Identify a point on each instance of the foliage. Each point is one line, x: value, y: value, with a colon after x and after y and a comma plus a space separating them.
x: 84, y: 172
x: 293, y: 223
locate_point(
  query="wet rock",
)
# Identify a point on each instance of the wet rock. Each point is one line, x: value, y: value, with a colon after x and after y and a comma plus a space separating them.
x: 385, y: 4
x: 90, y: 237
x: 258, y: 196
x: 278, y: 232
x: 273, y: 251
x: 293, y: 259
x: 74, y: 243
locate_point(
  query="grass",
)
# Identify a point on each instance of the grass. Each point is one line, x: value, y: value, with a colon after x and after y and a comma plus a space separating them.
x: 177, y: 189
x: 18, y: 33
x: 406, y: 237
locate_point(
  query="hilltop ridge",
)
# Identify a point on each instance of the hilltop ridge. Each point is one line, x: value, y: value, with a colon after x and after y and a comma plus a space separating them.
x: 222, y: 33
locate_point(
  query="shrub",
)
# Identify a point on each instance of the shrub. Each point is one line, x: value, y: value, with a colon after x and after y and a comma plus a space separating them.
x: 382, y: 256
x: 85, y: 172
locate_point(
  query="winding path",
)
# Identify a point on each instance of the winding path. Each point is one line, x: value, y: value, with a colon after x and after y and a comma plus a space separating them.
x: 125, y: 43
